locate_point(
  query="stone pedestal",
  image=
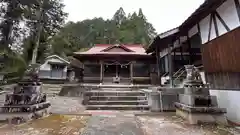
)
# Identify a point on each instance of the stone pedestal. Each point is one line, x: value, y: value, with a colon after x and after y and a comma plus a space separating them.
x: 195, y: 104
x: 155, y: 101
x: 27, y: 100
x: 195, y: 115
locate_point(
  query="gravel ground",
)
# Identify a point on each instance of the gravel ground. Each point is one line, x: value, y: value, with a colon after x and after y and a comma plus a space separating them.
x: 66, y: 105
x: 52, y: 125
x: 113, y: 125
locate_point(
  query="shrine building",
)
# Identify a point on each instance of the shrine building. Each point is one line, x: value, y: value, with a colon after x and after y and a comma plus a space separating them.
x: 125, y: 64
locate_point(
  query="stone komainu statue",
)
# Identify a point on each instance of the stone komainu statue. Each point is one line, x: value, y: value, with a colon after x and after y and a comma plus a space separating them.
x: 193, y: 74
x: 32, y: 73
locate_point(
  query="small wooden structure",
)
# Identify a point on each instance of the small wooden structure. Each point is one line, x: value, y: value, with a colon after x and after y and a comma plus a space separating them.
x: 104, y: 63
x: 54, y: 68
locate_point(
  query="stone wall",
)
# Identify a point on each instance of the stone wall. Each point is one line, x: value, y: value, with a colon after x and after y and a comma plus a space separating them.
x: 229, y: 100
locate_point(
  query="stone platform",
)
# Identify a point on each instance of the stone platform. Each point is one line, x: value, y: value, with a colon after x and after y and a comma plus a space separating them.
x: 197, y: 118
x: 17, y: 118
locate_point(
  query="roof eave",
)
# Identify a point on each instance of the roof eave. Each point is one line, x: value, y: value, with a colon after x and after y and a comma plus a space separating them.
x: 168, y: 35
x: 202, y: 11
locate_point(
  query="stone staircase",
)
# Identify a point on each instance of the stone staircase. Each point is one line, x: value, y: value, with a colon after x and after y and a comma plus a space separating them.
x: 51, y: 89
x: 115, y: 99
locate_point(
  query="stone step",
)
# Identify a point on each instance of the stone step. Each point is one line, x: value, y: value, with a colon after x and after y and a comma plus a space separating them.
x: 117, y: 107
x: 114, y: 89
x: 114, y: 93
x: 118, y: 97
x: 118, y: 102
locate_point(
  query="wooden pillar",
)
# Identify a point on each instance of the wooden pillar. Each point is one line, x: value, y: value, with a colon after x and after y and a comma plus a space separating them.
x: 158, y: 65
x: 117, y: 75
x: 170, y: 64
x: 131, y: 72
x: 101, y: 72
x: 190, y: 51
x: 174, y: 59
x: 181, y: 49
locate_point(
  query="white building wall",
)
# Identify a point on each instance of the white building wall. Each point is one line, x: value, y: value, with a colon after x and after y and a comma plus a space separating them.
x: 228, y: 12
x: 45, y: 69
x: 45, y: 66
x: 213, y: 31
x: 221, y: 28
x: 204, y: 28
x: 193, y: 31
x: 229, y: 100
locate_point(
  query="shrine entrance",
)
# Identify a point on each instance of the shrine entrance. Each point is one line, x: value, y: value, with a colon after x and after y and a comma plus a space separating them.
x: 117, y: 70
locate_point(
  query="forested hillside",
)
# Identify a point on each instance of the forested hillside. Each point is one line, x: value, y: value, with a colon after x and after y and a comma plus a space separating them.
x: 122, y: 29
x: 39, y: 27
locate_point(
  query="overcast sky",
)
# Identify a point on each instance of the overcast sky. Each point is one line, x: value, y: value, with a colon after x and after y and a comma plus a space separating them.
x: 163, y: 14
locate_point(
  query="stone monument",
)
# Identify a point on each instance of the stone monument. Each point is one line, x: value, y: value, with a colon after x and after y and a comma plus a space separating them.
x: 27, y: 101
x: 196, y: 105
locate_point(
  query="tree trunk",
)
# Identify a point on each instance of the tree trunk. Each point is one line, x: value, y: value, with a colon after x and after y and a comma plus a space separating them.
x: 39, y: 30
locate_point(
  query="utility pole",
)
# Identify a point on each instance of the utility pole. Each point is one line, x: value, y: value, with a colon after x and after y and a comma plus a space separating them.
x: 39, y: 30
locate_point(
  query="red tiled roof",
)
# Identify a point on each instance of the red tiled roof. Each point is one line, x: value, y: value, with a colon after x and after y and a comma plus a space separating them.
x: 131, y: 49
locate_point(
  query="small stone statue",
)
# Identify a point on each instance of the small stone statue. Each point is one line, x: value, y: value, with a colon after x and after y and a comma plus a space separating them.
x: 193, y: 74
x: 32, y: 73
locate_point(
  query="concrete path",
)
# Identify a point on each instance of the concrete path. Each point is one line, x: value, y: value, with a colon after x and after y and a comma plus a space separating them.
x: 169, y: 124
x: 118, y: 124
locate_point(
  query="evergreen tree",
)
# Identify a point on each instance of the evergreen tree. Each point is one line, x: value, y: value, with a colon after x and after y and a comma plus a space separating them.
x: 141, y: 15
x: 13, y: 12
x: 133, y: 29
x: 52, y: 19
x: 120, y: 16
x: 63, y: 40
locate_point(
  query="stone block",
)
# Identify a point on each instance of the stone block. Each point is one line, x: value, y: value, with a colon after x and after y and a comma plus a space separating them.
x: 167, y: 101
x: 72, y: 90
x: 198, y: 100
x: 196, y: 118
x: 196, y: 90
x: 155, y: 103
x: 192, y: 109
x: 172, y: 90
